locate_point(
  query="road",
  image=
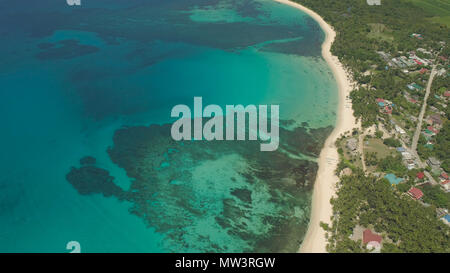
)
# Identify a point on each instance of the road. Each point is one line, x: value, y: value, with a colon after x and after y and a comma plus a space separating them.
x: 416, y: 136
x: 422, y: 111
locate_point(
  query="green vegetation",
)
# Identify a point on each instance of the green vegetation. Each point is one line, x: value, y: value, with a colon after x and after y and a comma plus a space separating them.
x: 377, y: 146
x: 406, y: 225
x: 375, y: 151
x: 438, y: 10
x: 435, y: 196
x: 392, y: 142
x: 393, y: 165
x: 379, y: 134
x: 442, y: 147
x: 379, y: 31
x: 371, y: 159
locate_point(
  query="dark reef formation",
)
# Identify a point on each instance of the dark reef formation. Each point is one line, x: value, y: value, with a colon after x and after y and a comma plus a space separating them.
x: 90, y: 179
x: 212, y: 196
x: 66, y: 49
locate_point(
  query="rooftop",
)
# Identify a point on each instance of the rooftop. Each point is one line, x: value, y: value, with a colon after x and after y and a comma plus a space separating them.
x: 415, y: 193
x: 369, y: 236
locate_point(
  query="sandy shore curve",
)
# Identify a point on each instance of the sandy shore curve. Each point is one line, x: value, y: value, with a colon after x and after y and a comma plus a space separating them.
x: 324, y: 187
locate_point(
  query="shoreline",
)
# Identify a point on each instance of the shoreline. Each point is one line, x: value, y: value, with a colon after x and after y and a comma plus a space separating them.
x: 324, y: 186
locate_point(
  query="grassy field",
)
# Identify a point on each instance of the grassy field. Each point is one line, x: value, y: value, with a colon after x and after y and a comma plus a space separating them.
x: 379, y: 31
x: 376, y: 145
x: 439, y: 10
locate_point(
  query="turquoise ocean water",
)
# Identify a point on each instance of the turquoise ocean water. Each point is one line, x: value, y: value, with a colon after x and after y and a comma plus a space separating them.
x: 100, y: 80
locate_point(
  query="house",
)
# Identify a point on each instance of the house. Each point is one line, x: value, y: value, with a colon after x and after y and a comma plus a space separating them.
x: 369, y: 236
x: 399, y: 130
x: 428, y: 134
x: 417, y: 35
x: 406, y: 156
x: 429, y: 145
x: 424, y: 51
x: 414, y: 86
x: 410, y: 165
x: 420, y: 175
x: 433, y: 162
x: 374, y: 247
x: 423, y: 71
x: 446, y: 185
x: 401, y: 149
x: 418, y: 62
x: 434, y: 109
x: 444, y: 176
x: 447, y: 94
x: 441, y: 72
x: 385, y: 56
x: 418, y: 87
x: 388, y: 109
x: 433, y: 130
x: 372, y: 241
x: 415, y: 193
x: 435, y: 119
x: 352, y: 144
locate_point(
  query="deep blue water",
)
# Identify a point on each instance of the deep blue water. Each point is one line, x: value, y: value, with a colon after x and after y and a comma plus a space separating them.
x: 77, y: 81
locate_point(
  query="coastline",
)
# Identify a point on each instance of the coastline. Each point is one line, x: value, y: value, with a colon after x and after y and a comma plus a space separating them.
x: 324, y: 187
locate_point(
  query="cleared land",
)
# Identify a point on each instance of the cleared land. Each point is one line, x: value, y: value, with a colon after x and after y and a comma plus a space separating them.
x: 439, y: 10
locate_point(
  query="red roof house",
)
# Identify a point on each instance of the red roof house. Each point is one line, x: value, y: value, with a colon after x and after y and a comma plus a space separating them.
x: 415, y: 193
x: 444, y: 175
x: 380, y: 100
x: 432, y: 129
x: 447, y: 94
x: 388, y: 109
x: 420, y: 175
x: 418, y: 62
x: 369, y: 236
x: 423, y: 70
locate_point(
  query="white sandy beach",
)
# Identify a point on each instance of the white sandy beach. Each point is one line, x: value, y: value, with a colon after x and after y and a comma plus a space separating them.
x: 326, y: 180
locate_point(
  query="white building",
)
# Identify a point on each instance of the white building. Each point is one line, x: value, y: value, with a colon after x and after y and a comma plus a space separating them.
x: 399, y: 130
